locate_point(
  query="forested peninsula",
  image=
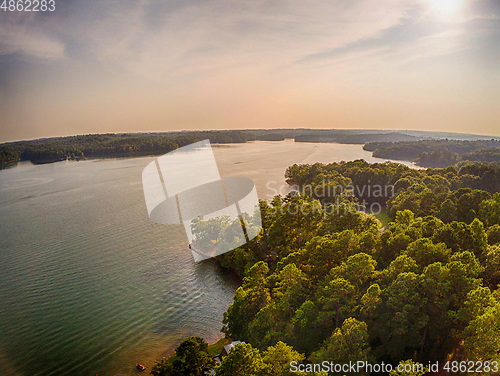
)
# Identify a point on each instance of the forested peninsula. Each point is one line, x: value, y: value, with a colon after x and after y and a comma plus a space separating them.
x: 110, y: 145
x: 325, y: 281
x: 437, y: 153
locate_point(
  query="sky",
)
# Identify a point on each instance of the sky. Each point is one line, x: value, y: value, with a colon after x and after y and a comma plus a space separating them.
x: 97, y: 66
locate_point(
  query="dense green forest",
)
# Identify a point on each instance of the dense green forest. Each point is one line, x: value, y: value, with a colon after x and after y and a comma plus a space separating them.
x: 110, y: 145
x: 327, y: 282
x: 438, y: 153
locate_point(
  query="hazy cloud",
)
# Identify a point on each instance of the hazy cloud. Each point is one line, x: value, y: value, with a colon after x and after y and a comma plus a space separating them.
x: 125, y: 65
x: 21, y: 33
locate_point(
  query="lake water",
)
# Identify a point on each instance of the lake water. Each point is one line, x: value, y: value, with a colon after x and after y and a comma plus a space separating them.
x: 90, y: 285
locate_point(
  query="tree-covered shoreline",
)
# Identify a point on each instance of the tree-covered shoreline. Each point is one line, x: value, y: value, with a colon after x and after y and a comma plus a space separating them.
x: 335, y: 286
x: 110, y: 145
x: 437, y: 153
x: 412, y: 146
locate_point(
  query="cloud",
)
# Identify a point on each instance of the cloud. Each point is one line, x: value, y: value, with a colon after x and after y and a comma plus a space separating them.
x: 153, y: 41
x: 165, y: 40
x: 224, y: 63
x: 418, y: 32
x: 21, y: 34
x: 490, y: 17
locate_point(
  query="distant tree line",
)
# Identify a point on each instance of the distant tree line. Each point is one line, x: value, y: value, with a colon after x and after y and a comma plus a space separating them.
x: 110, y: 145
x: 352, y: 137
x: 358, y: 180
x: 438, y: 153
x: 271, y: 137
x: 363, y: 178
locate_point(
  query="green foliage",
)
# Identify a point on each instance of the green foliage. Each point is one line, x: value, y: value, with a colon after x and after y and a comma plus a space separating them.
x: 336, y: 301
x: 298, y: 220
x: 402, y: 317
x: 191, y: 359
x: 437, y: 158
x: 347, y: 343
x: 489, y: 210
x: 210, y: 231
x: 162, y: 367
x: 418, y: 270
x: 242, y: 360
x: 278, y: 359
x: 110, y: 145
x: 248, y: 301
x: 482, y: 334
x: 493, y: 234
x: 335, y: 286
x: 449, y: 194
x: 8, y: 154
x: 425, y: 252
x: 492, y: 265
x: 370, y: 301
x: 438, y: 153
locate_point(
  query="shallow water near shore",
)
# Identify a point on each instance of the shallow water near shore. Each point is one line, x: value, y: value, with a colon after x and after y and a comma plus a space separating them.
x: 90, y: 285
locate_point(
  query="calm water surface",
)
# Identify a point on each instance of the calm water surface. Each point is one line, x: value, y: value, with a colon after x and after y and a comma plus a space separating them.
x: 90, y: 285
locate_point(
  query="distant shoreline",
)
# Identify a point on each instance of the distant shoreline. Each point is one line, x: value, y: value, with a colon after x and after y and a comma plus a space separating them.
x: 133, y: 156
x: 50, y: 150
